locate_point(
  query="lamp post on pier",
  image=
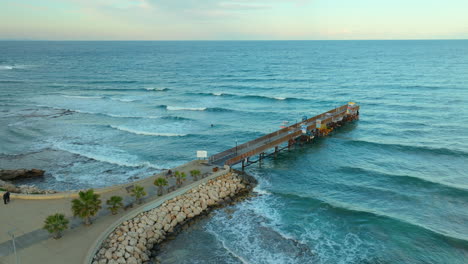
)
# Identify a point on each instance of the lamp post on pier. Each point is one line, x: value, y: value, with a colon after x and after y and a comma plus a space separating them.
x: 236, y: 146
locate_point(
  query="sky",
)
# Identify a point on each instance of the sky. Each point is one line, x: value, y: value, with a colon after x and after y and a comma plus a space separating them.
x: 233, y: 19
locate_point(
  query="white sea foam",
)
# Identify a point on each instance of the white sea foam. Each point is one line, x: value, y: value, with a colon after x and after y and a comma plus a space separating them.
x: 239, y: 234
x: 218, y: 94
x: 6, y: 67
x: 11, y: 67
x: 177, y: 108
x: 325, y: 246
x: 146, y: 133
x: 156, y: 89
x: 331, y: 248
x: 123, y: 100
x: 280, y: 98
x: 238, y: 257
x: 103, y: 154
x: 261, y: 191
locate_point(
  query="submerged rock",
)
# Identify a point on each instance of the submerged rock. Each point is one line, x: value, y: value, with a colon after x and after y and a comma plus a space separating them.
x: 9, y: 175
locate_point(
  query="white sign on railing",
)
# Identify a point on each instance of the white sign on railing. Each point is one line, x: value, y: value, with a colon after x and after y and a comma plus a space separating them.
x: 202, y: 154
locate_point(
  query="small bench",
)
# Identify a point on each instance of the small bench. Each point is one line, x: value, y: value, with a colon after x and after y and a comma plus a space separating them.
x: 129, y: 188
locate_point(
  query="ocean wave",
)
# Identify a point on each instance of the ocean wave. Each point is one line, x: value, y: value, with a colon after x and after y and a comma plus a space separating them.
x: 6, y: 67
x: 13, y: 67
x: 411, y: 148
x: 449, y: 188
x: 157, y: 89
x: 356, y: 210
x: 279, y: 98
x: 220, y: 109
x: 131, y: 116
x: 129, y: 89
x: 123, y: 100
x: 339, y: 248
x: 211, y: 109
x: 250, y: 234
x: 11, y: 81
x: 176, y: 118
x: 181, y: 108
x: 82, y: 97
x: 261, y: 97
x: 114, y: 157
x: 146, y: 133
x: 97, y: 113
x: 211, y: 94
x: 111, y: 82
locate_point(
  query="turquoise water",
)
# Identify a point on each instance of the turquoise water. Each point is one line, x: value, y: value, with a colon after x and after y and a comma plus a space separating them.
x: 390, y: 188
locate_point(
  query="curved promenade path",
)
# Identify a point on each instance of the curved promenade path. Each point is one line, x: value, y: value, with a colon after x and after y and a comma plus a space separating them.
x: 24, y: 217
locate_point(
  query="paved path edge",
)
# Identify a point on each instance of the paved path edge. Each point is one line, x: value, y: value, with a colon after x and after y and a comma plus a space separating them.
x: 146, y: 207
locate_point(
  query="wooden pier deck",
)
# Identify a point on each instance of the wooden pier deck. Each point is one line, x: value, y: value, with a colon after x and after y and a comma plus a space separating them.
x: 319, y: 125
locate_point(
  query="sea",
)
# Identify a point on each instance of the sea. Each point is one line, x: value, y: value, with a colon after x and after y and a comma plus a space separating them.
x: 389, y: 188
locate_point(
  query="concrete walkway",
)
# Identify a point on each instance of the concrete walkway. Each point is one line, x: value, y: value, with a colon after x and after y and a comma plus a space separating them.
x: 25, y: 218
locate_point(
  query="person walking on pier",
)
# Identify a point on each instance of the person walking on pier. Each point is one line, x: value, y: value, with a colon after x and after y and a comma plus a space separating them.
x: 6, y: 197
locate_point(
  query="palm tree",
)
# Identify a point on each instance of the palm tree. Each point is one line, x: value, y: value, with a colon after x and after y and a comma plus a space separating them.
x: 180, y: 178
x: 195, y: 174
x: 115, y: 203
x: 56, y: 224
x: 177, y: 174
x: 86, y: 206
x: 160, y: 182
x: 138, y: 191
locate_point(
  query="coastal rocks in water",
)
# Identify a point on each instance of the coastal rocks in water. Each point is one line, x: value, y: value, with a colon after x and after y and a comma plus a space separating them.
x: 8, y: 175
x: 132, y: 240
x: 24, y: 189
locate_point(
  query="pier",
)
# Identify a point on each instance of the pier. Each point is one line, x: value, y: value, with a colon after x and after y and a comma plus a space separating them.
x: 305, y: 131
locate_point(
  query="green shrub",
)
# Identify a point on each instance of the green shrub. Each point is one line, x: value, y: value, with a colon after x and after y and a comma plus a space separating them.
x: 86, y: 206
x: 115, y: 203
x: 138, y: 192
x: 56, y: 224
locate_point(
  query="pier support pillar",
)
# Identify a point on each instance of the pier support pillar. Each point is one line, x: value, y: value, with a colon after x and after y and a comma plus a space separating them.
x: 276, y: 151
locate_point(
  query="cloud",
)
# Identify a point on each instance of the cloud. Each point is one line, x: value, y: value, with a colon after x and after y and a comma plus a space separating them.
x: 221, y: 5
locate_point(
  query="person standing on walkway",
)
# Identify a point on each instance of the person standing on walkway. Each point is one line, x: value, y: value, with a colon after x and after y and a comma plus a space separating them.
x: 6, y: 197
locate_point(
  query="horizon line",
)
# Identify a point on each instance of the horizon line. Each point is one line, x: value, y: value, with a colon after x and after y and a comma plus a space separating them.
x: 225, y: 40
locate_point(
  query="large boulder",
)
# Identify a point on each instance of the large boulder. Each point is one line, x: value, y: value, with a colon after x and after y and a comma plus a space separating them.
x: 8, y: 175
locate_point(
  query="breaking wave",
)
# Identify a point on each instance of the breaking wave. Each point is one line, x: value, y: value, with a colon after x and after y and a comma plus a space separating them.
x: 147, y: 133
x: 111, y: 156
x: 157, y: 89
x: 97, y: 113
x: 260, y: 97
x: 82, y: 97
x: 358, y: 210
x: 179, y: 108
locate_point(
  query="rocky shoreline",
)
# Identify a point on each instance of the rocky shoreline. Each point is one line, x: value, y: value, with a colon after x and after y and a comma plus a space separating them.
x: 23, y: 189
x: 133, y: 240
x: 7, y: 177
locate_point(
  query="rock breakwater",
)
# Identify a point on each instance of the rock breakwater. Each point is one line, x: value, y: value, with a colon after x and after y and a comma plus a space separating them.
x: 132, y: 241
